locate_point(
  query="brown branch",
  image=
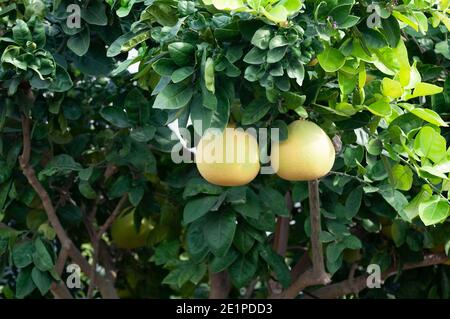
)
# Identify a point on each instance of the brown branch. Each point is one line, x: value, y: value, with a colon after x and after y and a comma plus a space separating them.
x: 251, y: 288
x: 352, y: 286
x: 59, y: 291
x: 302, y: 265
x: 113, y: 216
x: 111, y: 169
x: 317, y: 275
x: 316, y: 228
x: 96, y: 242
x: 282, y: 230
x: 220, y: 285
x: 61, y: 261
x: 108, y: 291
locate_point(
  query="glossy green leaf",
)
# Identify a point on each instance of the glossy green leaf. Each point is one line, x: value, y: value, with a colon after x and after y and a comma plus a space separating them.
x: 219, y: 229
x: 174, y: 96
x: 434, y: 210
x: 331, y: 59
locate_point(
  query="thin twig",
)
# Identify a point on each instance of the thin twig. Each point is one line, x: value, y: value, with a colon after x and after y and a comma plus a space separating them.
x: 96, y: 242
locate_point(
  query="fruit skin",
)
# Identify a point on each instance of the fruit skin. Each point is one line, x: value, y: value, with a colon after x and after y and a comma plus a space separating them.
x: 240, y: 169
x: 307, y: 154
x: 123, y: 231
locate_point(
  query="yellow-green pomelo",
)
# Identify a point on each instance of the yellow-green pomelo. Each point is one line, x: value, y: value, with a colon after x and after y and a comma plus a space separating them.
x: 228, y: 158
x: 124, y: 234
x: 307, y: 154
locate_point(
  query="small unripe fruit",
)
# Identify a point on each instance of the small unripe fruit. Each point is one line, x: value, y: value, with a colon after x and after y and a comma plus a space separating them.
x: 124, y: 234
x: 307, y: 154
x: 228, y: 158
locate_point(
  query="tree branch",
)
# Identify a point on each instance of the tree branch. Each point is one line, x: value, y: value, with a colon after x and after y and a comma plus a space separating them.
x: 317, y: 275
x: 220, y: 285
x: 355, y: 285
x: 316, y: 228
x: 66, y: 242
x: 282, y: 230
x: 97, y: 237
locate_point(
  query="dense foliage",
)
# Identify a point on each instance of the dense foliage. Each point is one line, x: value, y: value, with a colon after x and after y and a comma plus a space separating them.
x: 375, y: 78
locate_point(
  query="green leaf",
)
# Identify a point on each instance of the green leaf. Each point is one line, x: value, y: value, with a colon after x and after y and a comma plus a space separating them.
x: 424, y: 89
x: 347, y: 83
x: 135, y: 195
x: 219, y: 230
x: 219, y: 264
x: 210, y: 75
x: 352, y: 242
x: 143, y: 134
x: 196, y: 208
x: 326, y: 237
x: 41, y: 257
x: 402, y: 177
x: 428, y: 143
x: 165, y: 67
x: 429, y: 115
x: 374, y: 39
x: 21, y: 33
x: 255, y: 56
x: 24, y: 283
x: 296, y: 70
x: 60, y: 165
x: 278, y: 41
x: 274, y: 201
x: 195, y: 239
x: 353, y: 203
x: 166, y: 252
x: 380, y: 108
x: 243, y: 241
x: 197, y: 186
x: 434, y: 210
x: 331, y: 59
x: 277, y: 264
x: 182, y: 74
x: 396, y: 199
x: 42, y: 280
x: 228, y: 5
x: 182, y: 53
x: 276, y: 55
x: 95, y: 13
x: 10, y: 55
x: 255, y: 111
x: 115, y: 116
x: 391, y: 30
x: 261, y: 38
x: 86, y: 190
x: 62, y: 81
x: 22, y: 254
x: 391, y: 88
x: 79, y: 43
x: 412, y: 209
x: 244, y: 268
x: 252, y: 207
x: 237, y: 195
x: 334, y: 251
x: 174, y: 96
x: 399, y: 230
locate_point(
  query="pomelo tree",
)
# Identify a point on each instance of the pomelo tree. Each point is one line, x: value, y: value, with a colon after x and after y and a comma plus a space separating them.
x: 89, y: 88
